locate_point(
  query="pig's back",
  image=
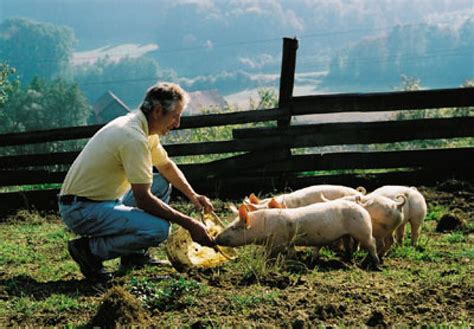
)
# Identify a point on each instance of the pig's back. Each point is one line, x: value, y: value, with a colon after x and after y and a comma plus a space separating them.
x: 416, y: 202
x: 312, y: 194
x: 322, y: 223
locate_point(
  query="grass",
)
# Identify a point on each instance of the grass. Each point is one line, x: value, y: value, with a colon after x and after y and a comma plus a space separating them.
x: 427, y: 285
x: 34, y: 187
x: 242, y: 302
x: 167, y: 294
x: 435, y: 212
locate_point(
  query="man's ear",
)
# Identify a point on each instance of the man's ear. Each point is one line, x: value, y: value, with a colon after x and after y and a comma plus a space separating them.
x: 158, y: 110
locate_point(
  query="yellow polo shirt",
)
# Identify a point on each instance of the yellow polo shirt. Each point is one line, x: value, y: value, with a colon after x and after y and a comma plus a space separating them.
x: 119, y: 154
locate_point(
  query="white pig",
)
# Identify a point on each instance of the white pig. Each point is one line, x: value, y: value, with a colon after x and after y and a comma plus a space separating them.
x: 314, y: 225
x: 386, y: 215
x: 414, y: 210
x: 307, y: 196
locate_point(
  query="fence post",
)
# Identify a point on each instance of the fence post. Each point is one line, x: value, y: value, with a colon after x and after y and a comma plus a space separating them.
x: 287, y: 77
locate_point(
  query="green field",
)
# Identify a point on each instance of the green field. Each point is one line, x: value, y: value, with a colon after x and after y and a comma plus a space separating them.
x: 431, y: 284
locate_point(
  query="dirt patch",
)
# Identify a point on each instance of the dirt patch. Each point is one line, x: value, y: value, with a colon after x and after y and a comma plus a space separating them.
x: 450, y: 222
x: 118, y: 308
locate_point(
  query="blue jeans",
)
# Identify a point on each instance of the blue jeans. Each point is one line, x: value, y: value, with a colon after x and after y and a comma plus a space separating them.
x: 117, y: 228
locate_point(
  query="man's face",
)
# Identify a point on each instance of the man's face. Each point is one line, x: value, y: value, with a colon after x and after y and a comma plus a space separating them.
x: 170, y: 120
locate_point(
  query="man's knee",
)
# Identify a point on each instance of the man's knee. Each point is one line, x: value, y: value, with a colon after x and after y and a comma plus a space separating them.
x: 161, y: 188
x: 157, y: 234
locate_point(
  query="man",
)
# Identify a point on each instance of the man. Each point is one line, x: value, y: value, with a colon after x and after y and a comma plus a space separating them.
x: 94, y: 202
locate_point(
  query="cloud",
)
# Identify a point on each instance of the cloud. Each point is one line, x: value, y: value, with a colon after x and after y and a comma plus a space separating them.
x: 259, y: 61
x: 269, y: 8
x: 199, y: 3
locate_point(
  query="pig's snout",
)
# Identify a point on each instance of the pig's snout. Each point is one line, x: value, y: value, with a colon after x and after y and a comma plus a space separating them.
x: 222, y: 240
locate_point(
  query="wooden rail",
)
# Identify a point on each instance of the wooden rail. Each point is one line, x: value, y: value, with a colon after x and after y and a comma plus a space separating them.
x: 391, y: 101
x: 187, y: 122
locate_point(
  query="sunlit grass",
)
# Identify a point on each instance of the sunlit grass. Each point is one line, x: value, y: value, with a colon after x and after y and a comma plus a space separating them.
x: 435, y: 212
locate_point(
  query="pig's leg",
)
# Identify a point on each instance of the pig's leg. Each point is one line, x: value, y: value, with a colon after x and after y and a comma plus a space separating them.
x: 415, y: 230
x: 388, y: 242
x: 380, y: 243
x: 316, y: 250
x: 400, y: 233
x: 369, y: 244
x: 348, y: 248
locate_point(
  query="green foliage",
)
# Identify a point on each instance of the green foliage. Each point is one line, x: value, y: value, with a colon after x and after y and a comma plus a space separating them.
x: 36, y: 49
x: 44, y: 105
x: 243, y: 302
x: 422, y: 252
x: 432, y: 53
x: 7, y: 87
x: 24, y: 307
x: 268, y: 99
x: 435, y: 212
x: 166, y: 295
x: 455, y: 237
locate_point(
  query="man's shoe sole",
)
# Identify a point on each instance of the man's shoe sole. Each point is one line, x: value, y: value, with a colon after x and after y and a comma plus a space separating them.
x: 99, y: 275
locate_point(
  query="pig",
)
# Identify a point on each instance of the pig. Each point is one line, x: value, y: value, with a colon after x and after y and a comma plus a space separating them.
x: 386, y: 216
x: 414, y: 211
x: 315, y: 225
x: 306, y: 196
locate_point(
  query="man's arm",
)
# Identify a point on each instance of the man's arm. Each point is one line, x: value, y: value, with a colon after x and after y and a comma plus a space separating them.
x: 175, y: 176
x: 146, y: 201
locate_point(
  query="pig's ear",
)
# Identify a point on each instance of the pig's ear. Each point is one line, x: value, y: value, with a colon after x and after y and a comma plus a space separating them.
x: 254, y: 199
x: 234, y: 209
x: 274, y: 204
x: 251, y: 207
x: 244, y: 216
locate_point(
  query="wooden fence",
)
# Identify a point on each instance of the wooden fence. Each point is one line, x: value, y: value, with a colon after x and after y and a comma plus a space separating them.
x: 267, y: 163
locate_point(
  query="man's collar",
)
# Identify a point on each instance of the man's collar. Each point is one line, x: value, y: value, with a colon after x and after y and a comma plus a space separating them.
x: 143, y: 121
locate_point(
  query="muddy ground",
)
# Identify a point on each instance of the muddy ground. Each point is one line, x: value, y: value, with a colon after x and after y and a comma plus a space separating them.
x: 431, y: 284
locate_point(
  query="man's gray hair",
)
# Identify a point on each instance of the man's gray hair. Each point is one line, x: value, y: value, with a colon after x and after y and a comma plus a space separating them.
x: 166, y: 94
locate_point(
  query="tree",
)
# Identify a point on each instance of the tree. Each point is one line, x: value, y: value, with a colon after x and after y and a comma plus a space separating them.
x: 6, y: 85
x: 436, y: 54
x: 36, y: 49
x: 45, y: 105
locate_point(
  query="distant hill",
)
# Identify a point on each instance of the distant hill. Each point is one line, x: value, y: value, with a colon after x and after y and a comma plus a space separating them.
x: 230, y: 45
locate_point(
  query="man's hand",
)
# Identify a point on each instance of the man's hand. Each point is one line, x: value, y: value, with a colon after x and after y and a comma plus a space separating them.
x: 200, y: 235
x: 202, y: 202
